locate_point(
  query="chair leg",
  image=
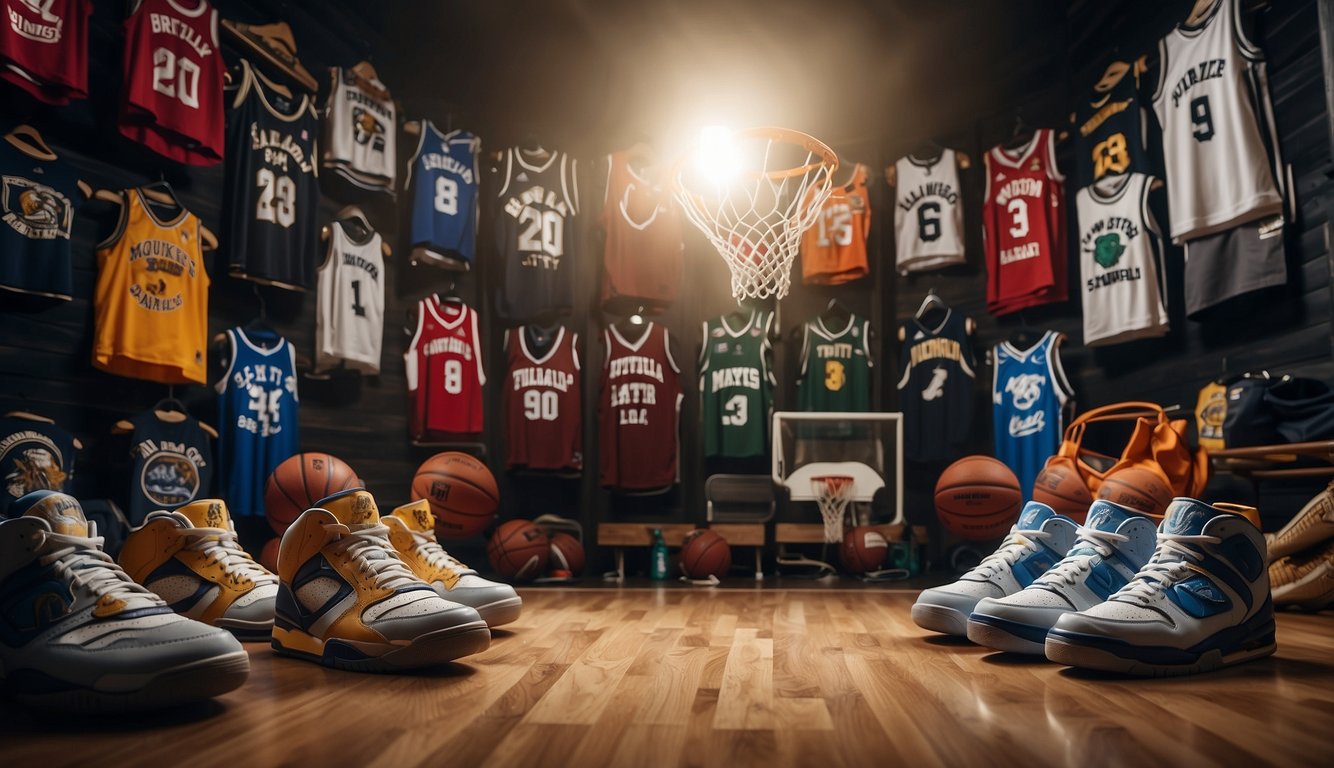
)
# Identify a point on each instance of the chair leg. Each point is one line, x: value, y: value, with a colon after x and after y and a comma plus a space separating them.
x: 759, y: 567
x: 620, y: 563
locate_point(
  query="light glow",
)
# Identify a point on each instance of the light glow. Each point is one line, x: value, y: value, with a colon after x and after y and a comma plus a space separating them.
x: 717, y: 158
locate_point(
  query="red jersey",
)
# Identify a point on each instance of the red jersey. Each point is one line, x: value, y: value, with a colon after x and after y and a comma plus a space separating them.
x: 173, y: 81
x: 639, y: 412
x: 641, y: 259
x: 543, y: 404
x: 444, y: 371
x: 1024, y: 226
x: 44, y: 48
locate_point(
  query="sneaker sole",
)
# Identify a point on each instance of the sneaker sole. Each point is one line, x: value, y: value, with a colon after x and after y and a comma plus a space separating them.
x: 992, y: 633
x: 1313, y: 592
x: 184, y: 684
x: 501, y: 611
x: 1064, y: 650
x: 940, y: 618
x: 247, y: 631
x: 428, y: 650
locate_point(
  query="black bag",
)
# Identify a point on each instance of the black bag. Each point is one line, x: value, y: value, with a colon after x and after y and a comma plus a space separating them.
x: 1250, y: 419
x: 1302, y: 408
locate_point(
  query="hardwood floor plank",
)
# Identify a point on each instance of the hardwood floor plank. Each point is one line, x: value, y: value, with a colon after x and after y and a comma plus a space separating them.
x: 580, y: 696
x: 745, y: 701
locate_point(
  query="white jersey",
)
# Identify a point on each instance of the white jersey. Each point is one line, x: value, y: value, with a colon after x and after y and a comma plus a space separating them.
x: 360, y: 132
x: 928, y: 213
x: 1212, y: 101
x: 350, y: 307
x: 1119, y: 257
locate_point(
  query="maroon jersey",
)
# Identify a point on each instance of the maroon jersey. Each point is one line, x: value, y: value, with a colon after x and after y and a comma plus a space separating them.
x: 642, y: 255
x: 1024, y: 226
x: 543, y: 404
x: 173, y: 80
x: 639, y: 411
x: 44, y: 48
x: 444, y: 371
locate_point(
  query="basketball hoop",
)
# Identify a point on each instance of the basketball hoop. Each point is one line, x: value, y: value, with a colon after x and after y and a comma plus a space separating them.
x: 755, y: 216
x: 832, y: 493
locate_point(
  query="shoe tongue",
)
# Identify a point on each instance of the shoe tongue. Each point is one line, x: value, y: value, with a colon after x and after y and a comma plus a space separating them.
x: 352, y: 508
x: 416, y: 516
x: 1106, y: 516
x: 1034, y: 515
x: 207, y: 513
x: 1187, y: 517
x: 60, y: 511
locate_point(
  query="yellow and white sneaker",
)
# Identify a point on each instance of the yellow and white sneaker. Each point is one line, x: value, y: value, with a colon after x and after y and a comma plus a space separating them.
x: 191, y: 559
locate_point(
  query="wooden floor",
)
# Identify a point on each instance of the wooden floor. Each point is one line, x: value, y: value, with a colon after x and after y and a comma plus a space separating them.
x: 680, y: 676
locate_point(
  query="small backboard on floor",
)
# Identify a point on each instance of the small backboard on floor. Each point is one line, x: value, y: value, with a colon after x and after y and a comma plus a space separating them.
x: 868, y: 447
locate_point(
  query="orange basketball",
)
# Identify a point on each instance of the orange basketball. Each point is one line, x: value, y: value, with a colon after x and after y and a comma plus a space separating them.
x: 705, y: 553
x: 978, y: 497
x: 462, y: 493
x: 519, y: 550
x: 567, y: 554
x: 299, y: 482
x: 864, y: 550
x: 1139, y: 488
x: 1062, y: 489
x: 268, y: 557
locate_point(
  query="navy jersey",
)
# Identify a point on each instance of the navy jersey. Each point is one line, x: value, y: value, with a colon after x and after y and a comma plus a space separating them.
x: 173, y: 464
x: 34, y: 456
x: 536, y: 206
x: 936, y: 387
x: 1028, y: 391
x: 257, y: 407
x: 1112, y: 128
x: 442, y: 182
x: 37, y: 205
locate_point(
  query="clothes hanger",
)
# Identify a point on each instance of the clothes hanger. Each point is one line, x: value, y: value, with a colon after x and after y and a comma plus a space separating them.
x: 836, y: 311
x: 30, y: 416
x: 360, y: 228
x: 366, y: 78
x: 931, y: 300
x: 29, y: 141
x: 160, y: 191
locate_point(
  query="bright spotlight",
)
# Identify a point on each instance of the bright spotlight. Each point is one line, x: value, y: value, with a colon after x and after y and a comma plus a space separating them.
x: 717, y: 158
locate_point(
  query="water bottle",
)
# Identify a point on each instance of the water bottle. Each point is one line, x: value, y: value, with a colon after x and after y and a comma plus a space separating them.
x: 658, y: 557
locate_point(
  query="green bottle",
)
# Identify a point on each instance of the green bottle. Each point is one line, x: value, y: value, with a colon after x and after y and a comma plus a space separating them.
x: 658, y: 557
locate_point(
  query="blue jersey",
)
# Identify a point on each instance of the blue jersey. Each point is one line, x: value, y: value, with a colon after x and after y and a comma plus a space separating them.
x: 442, y: 182
x: 37, y: 199
x: 1028, y: 390
x: 34, y: 456
x: 257, y: 422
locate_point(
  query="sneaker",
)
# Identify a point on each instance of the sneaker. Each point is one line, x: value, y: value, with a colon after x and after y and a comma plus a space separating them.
x: 346, y: 600
x: 77, y: 634
x: 1113, y: 544
x: 191, y: 559
x: 1202, y: 602
x: 412, y: 532
x: 1304, y: 580
x: 1309, y: 528
x: 1036, y: 542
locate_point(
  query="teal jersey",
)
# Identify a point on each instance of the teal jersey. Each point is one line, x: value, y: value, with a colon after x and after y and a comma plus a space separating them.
x: 835, y: 367
x: 736, y: 385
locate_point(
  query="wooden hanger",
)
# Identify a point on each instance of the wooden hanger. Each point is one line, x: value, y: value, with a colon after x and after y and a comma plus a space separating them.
x: 1201, y: 9
x: 29, y: 141
x: 414, y: 127
x: 274, y: 46
x: 207, y: 240
x: 367, y: 79
x: 354, y: 215
x: 30, y: 416
x: 169, y: 410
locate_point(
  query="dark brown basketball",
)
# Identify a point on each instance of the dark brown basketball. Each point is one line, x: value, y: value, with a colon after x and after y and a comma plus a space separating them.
x: 268, y: 557
x: 864, y: 550
x: 299, y: 482
x: 462, y: 493
x: 704, y: 554
x: 977, y: 498
x: 1062, y: 489
x: 567, y: 554
x: 1141, y: 489
x: 519, y: 550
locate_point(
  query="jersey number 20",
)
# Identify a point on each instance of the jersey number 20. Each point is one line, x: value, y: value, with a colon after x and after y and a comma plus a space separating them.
x: 176, y: 77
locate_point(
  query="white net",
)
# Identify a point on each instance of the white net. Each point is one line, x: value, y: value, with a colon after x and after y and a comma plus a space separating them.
x: 832, y: 493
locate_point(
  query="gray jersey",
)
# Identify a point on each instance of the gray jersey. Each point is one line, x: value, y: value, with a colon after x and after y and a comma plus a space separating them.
x: 350, y: 306
x: 928, y: 213
x: 1118, y: 261
x: 360, y: 132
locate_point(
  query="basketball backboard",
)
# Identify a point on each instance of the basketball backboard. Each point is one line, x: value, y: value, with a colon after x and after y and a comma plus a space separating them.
x: 868, y: 447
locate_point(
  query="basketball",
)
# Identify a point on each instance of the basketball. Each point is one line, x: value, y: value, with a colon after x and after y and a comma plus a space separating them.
x: 1062, y: 489
x: 462, y: 493
x: 704, y: 554
x: 567, y: 554
x: 977, y: 498
x: 519, y: 550
x: 864, y: 550
x: 1139, y: 488
x: 299, y: 482
x: 268, y: 557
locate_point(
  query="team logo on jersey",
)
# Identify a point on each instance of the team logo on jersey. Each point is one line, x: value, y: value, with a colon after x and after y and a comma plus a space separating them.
x: 34, y: 463
x: 41, y: 26
x: 856, y: 202
x: 1107, y: 249
x: 717, y: 333
x: 1212, y: 417
x: 367, y: 129
x: 721, y: 348
x: 34, y: 210
x: 936, y: 387
x: 169, y: 479
x: 154, y: 261
x: 1032, y: 424
x: 1025, y: 389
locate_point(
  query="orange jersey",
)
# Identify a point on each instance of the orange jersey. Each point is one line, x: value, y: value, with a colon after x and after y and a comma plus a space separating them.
x: 833, y: 250
x: 151, y: 312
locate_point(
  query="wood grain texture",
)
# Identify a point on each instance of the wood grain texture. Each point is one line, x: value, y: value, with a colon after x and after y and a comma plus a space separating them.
x: 773, y: 677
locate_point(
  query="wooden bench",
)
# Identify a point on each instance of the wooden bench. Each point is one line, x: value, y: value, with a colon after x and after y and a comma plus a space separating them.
x: 622, y: 535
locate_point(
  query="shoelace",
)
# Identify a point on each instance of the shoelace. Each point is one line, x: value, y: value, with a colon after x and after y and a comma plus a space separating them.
x: 1072, y: 567
x: 221, y: 546
x: 435, y: 555
x: 370, y: 549
x: 1014, y: 547
x: 1170, y: 562
x: 87, y: 567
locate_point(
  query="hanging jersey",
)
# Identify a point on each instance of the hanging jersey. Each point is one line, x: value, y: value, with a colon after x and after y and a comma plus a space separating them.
x: 151, y: 302
x: 936, y: 388
x: 1118, y: 261
x: 44, y: 48
x: 1023, y: 219
x: 543, y: 400
x: 444, y: 371
x: 833, y: 250
x: 34, y: 456
x: 1028, y: 391
x: 173, y: 71
x: 271, y: 195
x: 736, y: 385
x: 835, y: 367
x: 37, y: 209
x: 536, y: 206
x: 928, y: 213
x: 257, y: 418
x: 360, y: 131
x: 1111, y: 128
x: 639, y: 412
x: 349, y: 311
x: 1212, y: 101
x: 442, y: 180
x: 641, y: 258
x: 1210, y: 413
x: 173, y: 464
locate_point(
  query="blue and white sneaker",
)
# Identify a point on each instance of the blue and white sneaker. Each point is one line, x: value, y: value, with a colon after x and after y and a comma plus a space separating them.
x: 1202, y: 601
x: 1113, y: 545
x: 1036, y: 542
